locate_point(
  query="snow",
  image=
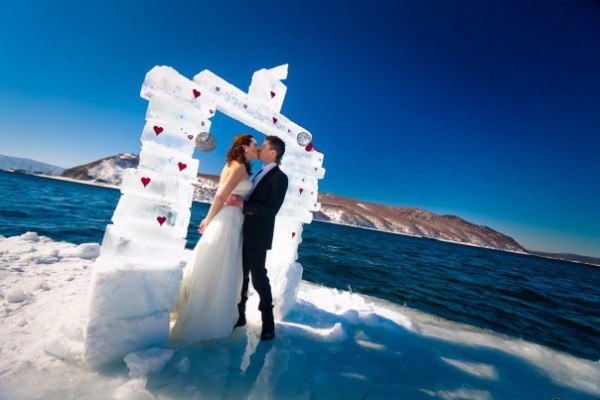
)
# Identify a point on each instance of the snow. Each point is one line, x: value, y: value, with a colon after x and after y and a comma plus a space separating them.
x: 333, y: 344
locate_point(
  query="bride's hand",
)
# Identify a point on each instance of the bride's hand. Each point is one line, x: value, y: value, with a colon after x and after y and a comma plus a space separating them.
x: 203, y: 226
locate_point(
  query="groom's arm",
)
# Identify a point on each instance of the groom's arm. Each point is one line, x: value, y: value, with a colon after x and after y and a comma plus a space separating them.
x: 271, y: 206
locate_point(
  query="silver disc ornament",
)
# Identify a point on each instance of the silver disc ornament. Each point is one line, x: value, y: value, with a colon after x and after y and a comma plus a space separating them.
x: 304, y: 138
x: 205, y: 142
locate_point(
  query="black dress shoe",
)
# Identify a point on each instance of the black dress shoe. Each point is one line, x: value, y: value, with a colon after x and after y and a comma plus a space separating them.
x: 240, y: 322
x: 267, y: 335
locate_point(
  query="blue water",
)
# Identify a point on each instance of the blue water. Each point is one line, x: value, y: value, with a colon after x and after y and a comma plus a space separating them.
x: 550, y: 302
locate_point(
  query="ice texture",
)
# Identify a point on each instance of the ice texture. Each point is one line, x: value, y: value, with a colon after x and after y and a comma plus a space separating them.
x: 108, y: 340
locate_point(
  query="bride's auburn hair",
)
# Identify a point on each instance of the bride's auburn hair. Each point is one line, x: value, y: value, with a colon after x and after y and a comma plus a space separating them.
x: 237, y: 152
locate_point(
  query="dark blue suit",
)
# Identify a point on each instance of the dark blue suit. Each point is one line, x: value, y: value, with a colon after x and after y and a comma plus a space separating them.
x: 260, y: 210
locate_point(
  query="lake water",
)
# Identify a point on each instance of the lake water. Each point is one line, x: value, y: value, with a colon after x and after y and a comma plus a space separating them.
x: 550, y: 302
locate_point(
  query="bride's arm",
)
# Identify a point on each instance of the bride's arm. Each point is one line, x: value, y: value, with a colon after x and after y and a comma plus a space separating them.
x: 236, y: 175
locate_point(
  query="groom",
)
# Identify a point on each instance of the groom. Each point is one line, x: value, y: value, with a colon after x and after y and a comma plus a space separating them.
x: 268, y: 191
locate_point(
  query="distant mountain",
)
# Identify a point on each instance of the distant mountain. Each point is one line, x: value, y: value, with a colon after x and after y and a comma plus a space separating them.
x: 109, y: 171
x: 567, y: 257
x: 24, y: 164
x: 412, y: 221
x: 346, y: 211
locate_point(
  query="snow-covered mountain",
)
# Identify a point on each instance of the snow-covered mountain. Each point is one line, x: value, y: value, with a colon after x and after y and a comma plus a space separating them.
x: 24, y: 164
x: 412, y: 221
x: 109, y: 171
x: 336, y: 209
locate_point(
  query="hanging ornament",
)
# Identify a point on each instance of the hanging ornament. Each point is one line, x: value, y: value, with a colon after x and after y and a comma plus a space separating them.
x: 205, y: 142
x: 304, y: 138
x: 145, y: 181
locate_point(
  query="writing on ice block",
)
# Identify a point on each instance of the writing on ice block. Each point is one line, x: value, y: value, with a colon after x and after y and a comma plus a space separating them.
x: 137, y: 276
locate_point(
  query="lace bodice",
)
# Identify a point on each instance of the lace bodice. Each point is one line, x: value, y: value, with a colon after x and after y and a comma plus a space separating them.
x: 243, y: 188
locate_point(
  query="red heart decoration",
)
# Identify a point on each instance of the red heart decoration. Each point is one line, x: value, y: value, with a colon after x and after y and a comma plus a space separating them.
x: 293, y: 234
x: 196, y: 93
x: 245, y: 105
x: 161, y: 220
x: 272, y: 94
x: 309, y: 147
x: 190, y: 137
x: 218, y: 88
x: 302, y: 179
x: 182, y: 166
x: 145, y: 181
x: 274, y: 120
x: 301, y: 190
x: 158, y: 130
x: 211, y: 111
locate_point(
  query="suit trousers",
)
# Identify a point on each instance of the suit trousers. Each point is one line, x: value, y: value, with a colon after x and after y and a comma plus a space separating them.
x: 253, y: 262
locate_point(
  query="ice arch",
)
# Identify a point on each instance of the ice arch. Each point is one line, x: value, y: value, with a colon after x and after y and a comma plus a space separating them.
x: 136, y: 278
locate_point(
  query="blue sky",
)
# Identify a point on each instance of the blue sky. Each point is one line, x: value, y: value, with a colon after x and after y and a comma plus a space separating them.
x: 489, y: 110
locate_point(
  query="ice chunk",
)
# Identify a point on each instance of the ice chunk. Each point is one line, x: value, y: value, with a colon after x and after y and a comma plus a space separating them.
x: 169, y: 109
x: 132, y: 293
x: 141, y: 214
x: 266, y: 87
x: 30, y: 236
x: 163, y: 160
x: 109, y: 340
x: 157, y: 185
x: 141, y: 248
x: 134, y: 389
x: 285, y: 280
x: 143, y: 362
x: 172, y: 135
x: 86, y: 251
x: 16, y: 295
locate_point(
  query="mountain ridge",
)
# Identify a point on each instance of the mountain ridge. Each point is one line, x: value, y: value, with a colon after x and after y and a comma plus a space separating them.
x: 10, y: 163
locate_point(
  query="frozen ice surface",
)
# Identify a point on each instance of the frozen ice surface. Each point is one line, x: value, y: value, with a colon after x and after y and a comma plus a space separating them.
x: 332, y: 345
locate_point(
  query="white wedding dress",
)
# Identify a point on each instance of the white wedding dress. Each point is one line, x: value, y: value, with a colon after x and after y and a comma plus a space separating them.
x: 212, y: 280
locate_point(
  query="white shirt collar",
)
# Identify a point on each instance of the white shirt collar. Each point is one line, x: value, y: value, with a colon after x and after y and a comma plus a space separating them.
x: 265, y: 170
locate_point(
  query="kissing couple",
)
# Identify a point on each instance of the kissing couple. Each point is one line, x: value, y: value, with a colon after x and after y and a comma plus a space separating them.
x: 236, y: 234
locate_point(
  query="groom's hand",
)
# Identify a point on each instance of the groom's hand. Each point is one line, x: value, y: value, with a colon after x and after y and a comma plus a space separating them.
x: 234, y: 201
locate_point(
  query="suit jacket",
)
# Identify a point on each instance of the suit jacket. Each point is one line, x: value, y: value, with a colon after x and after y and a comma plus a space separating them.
x: 261, y: 208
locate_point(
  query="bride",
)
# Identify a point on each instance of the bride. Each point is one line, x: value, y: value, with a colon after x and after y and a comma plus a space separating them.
x: 212, y: 280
